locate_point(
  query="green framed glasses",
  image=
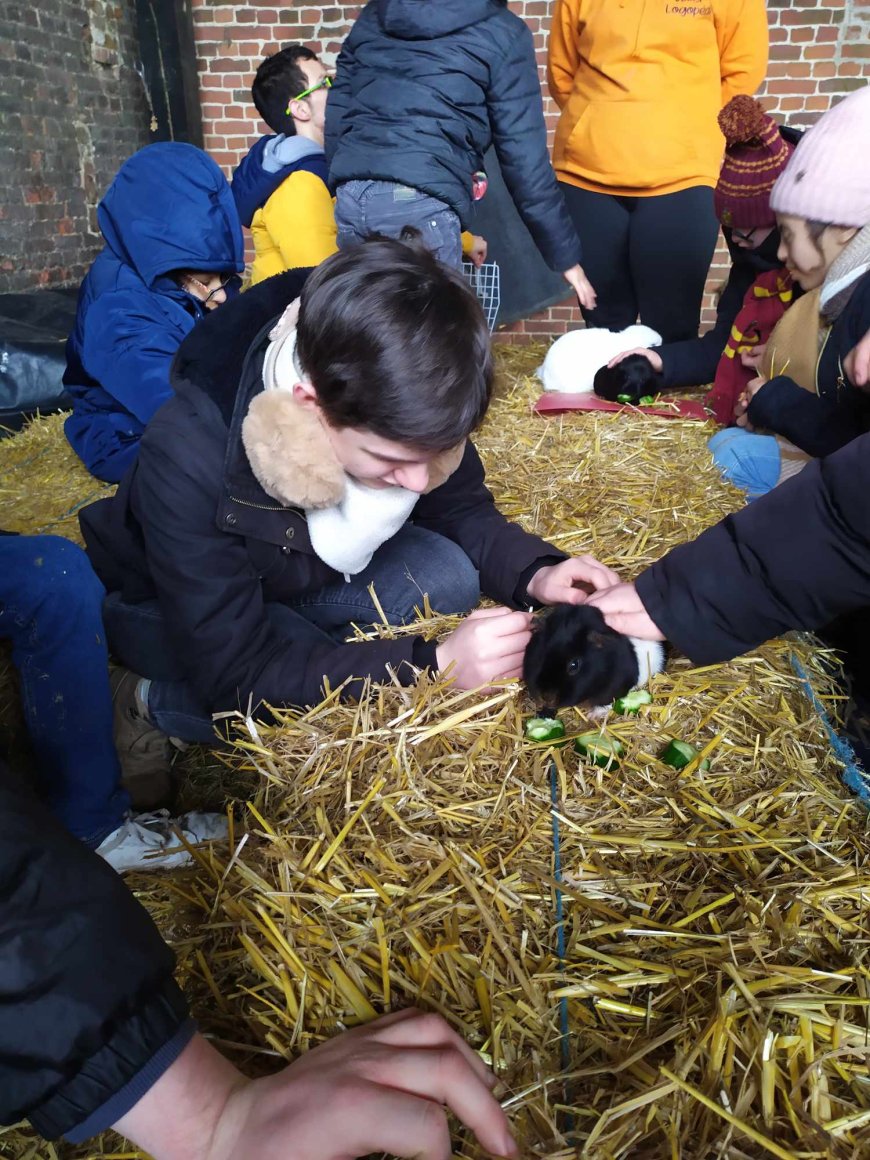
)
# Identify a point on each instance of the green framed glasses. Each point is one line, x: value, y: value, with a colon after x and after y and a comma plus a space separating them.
x: 326, y: 83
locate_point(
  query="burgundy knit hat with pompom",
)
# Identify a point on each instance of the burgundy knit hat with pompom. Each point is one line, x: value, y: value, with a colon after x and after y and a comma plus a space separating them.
x: 755, y: 155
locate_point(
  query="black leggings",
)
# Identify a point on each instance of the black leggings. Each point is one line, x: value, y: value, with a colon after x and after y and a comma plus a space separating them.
x: 646, y: 256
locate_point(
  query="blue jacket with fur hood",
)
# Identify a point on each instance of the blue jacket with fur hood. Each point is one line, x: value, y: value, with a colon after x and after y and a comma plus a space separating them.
x: 169, y: 208
x: 422, y: 89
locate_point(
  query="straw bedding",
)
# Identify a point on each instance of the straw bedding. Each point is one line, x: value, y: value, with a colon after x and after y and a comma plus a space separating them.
x: 656, y: 963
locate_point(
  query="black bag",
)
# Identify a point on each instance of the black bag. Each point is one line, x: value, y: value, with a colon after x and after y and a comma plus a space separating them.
x: 33, y: 334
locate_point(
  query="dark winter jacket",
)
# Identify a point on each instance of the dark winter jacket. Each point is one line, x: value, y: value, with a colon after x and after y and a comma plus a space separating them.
x: 192, y: 526
x: 795, y: 559
x: 261, y: 171
x: 90, y: 1015
x: 423, y: 89
x: 693, y: 362
x: 169, y: 208
x: 821, y: 423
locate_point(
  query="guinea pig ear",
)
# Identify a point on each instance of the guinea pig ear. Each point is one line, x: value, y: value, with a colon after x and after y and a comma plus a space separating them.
x: 597, y: 639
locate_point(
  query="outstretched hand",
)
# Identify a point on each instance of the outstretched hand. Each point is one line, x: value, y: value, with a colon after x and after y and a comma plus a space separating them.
x: 624, y: 612
x: 570, y: 581
x: 653, y: 357
x: 384, y: 1087
x: 489, y: 645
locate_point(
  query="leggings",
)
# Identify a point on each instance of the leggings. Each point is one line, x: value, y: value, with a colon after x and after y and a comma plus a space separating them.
x: 646, y: 256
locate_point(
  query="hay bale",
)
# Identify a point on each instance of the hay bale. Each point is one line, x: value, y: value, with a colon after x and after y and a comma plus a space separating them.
x: 656, y: 963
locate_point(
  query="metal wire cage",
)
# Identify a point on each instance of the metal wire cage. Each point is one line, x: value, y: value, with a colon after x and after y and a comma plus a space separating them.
x: 485, y: 281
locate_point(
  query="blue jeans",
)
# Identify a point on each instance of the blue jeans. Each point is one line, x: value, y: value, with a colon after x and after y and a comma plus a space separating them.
x: 415, y: 561
x: 363, y: 208
x: 747, y: 459
x: 50, y: 602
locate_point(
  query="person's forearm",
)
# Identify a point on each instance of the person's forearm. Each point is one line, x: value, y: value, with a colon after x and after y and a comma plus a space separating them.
x: 177, y: 1118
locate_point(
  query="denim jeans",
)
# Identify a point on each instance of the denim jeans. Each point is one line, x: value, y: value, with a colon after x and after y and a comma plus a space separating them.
x: 50, y: 602
x: 415, y: 561
x: 384, y: 207
x: 747, y: 459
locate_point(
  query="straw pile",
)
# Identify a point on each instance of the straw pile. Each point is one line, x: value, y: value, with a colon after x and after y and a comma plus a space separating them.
x: 656, y: 963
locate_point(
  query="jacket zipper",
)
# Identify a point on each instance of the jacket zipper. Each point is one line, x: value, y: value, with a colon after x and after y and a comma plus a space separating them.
x: 263, y: 507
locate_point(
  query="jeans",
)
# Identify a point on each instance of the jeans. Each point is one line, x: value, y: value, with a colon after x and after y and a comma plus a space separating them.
x: 747, y: 459
x: 383, y: 207
x: 50, y: 603
x: 646, y: 256
x: 415, y: 561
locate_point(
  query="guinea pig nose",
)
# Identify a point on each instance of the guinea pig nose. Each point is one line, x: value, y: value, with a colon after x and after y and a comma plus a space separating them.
x: 548, y: 711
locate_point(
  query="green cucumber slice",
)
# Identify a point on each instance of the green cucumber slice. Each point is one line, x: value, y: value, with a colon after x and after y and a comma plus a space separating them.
x: 544, y: 729
x: 678, y: 754
x: 646, y: 401
x: 632, y: 701
x: 600, y: 749
x: 625, y: 399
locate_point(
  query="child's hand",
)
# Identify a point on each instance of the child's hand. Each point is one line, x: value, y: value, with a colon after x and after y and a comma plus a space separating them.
x: 751, y: 359
x: 570, y: 581
x: 582, y: 286
x: 856, y: 364
x: 653, y: 357
x: 477, y: 251
x: 752, y: 389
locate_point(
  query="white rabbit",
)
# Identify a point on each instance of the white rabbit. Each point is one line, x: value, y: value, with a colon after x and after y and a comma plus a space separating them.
x: 574, y: 358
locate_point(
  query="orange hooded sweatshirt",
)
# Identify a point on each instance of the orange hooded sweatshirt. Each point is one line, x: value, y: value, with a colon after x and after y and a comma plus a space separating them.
x: 640, y: 84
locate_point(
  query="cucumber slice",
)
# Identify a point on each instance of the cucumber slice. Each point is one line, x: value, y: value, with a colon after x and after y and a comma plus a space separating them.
x: 678, y: 754
x: 625, y: 399
x: 544, y: 729
x: 632, y: 701
x: 646, y: 401
x: 600, y: 749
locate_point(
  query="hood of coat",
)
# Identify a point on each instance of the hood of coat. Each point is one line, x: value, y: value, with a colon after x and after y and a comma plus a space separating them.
x: 170, y: 208
x: 428, y: 19
x: 844, y: 275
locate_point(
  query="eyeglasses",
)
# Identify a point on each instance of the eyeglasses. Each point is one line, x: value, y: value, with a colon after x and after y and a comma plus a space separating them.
x: 229, y: 283
x: 325, y: 83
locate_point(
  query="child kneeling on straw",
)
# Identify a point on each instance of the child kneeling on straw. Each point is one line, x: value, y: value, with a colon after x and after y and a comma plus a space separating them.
x: 822, y: 203
x: 314, y: 475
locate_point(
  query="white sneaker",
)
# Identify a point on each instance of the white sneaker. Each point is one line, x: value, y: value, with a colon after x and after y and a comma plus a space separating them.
x: 151, y: 842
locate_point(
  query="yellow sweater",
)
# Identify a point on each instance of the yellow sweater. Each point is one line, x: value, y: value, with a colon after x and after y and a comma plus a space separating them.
x: 640, y: 84
x: 296, y: 227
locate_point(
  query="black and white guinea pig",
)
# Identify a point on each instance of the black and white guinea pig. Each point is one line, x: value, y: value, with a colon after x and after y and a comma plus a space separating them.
x: 574, y: 658
x: 633, y: 376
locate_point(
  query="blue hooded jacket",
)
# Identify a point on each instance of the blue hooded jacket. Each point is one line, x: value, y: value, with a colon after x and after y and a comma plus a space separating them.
x: 169, y: 208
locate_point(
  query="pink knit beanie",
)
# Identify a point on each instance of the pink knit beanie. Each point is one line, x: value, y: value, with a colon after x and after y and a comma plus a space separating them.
x: 828, y: 176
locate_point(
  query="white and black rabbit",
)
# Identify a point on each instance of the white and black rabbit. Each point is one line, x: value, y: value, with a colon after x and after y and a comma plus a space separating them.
x: 575, y: 658
x: 574, y: 358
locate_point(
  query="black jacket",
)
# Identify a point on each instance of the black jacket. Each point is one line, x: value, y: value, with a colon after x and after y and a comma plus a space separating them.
x: 794, y: 559
x: 693, y: 362
x: 821, y: 423
x: 191, y: 525
x: 89, y: 1011
x: 421, y: 91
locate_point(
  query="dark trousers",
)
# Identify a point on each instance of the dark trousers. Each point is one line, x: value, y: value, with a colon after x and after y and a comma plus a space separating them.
x: 50, y: 602
x: 646, y: 256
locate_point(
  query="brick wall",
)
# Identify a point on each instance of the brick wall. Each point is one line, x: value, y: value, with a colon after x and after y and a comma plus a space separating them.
x: 819, y: 50
x: 72, y: 108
